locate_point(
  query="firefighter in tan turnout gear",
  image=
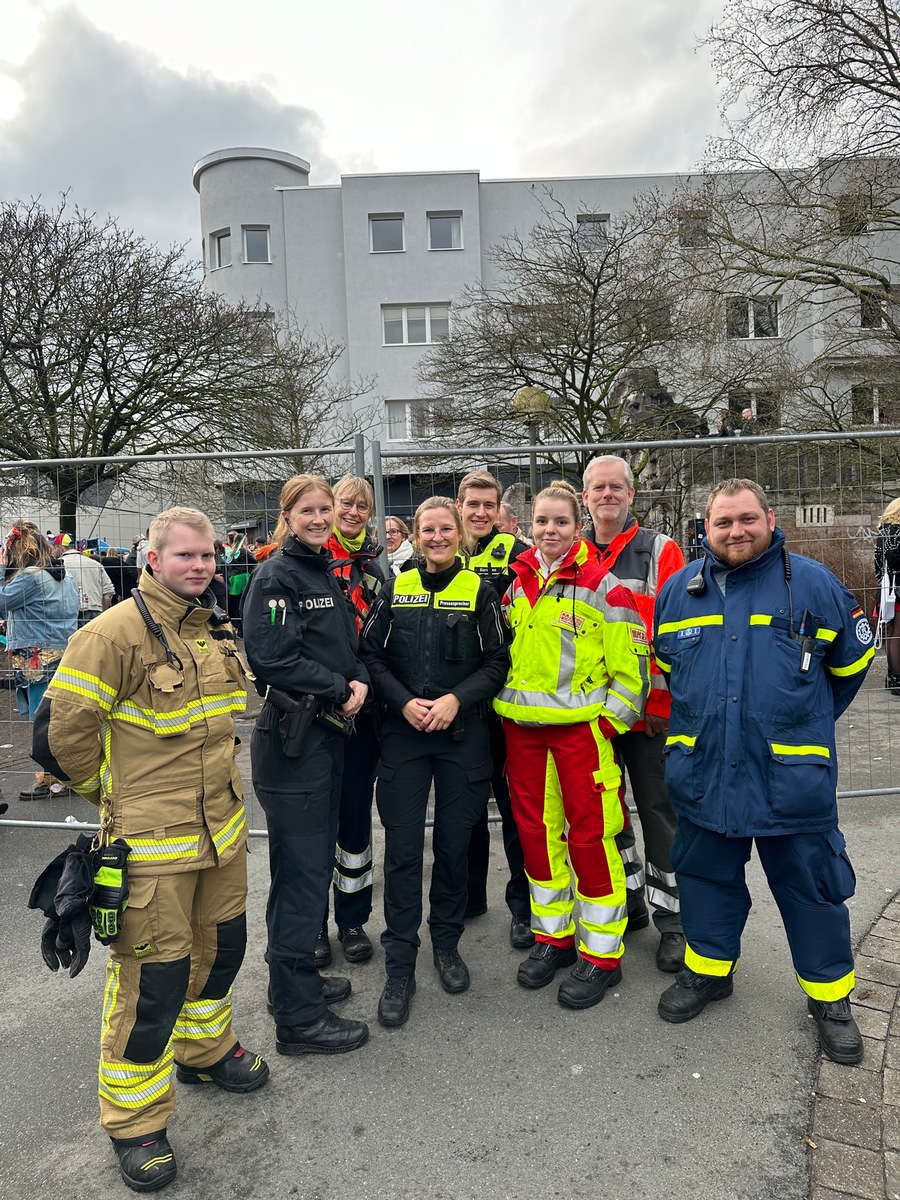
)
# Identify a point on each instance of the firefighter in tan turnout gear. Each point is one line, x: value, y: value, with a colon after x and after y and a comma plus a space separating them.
x: 140, y: 720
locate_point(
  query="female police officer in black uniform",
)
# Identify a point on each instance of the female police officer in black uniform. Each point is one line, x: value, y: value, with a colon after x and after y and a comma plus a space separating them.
x: 301, y: 642
x: 434, y: 643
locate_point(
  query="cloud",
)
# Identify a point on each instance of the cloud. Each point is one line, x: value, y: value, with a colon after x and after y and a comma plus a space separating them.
x: 109, y: 121
x: 634, y: 90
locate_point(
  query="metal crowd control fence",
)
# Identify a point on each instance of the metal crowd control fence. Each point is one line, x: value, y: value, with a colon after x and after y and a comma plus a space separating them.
x: 828, y: 491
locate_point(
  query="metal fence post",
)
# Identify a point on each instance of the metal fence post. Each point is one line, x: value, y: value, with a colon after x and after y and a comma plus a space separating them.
x: 378, y: 489
x: 359, y: 453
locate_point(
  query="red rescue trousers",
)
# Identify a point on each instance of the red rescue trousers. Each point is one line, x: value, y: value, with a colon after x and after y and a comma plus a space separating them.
x: 567, y: 775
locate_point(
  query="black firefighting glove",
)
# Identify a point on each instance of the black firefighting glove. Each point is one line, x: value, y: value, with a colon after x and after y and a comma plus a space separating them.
x: 43, y: 898
x: 73, y: 898
x: 62, y: 892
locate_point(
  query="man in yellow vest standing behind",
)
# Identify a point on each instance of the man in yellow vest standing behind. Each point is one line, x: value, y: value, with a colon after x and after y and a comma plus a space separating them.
x: 488, y: 553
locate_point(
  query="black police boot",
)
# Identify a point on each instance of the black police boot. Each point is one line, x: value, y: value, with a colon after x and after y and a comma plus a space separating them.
x: 335, y: 988
x: 356, y: 945
x: 542, y: 964
x: 670, y: 952
x: 521, y: 936
x: 242, y: 1071
x: 147, y: 1163
x: 393, y: 1007
x: 892, y: 683
x: 328, y: 1034
x: 452, y: 971
x: 690, y: 994
x: 838, y: 1032
x: 323, y: 950
x: 587, y: 985
x: 638, y: 915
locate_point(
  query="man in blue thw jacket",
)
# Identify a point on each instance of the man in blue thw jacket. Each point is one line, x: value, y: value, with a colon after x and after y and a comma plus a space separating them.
x: 764, y: 651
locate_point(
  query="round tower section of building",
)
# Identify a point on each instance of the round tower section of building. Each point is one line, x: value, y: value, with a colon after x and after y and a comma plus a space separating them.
x: 242, y: 220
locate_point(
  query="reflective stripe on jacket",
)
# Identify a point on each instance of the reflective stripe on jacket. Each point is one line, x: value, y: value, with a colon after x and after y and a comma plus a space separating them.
x: 152, y: 743
x: 642, y: 560
x: 751, y: 745
x: 579, y: 647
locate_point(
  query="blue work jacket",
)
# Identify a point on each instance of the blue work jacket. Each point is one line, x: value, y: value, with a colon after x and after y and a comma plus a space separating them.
x: 751, y: 744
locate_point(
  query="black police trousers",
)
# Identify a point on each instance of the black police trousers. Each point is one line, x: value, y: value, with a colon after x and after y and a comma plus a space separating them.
x: 353, y: 853
x: 300, y: 797
x: 517, y: 896
x: 460, y: 768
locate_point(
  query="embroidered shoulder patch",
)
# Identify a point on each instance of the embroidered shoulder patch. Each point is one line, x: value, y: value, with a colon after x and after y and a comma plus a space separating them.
x: 863, y: 631
x: 203, y: 645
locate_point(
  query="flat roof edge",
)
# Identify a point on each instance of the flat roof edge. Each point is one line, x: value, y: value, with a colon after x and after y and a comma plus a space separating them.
x: 235, y: 153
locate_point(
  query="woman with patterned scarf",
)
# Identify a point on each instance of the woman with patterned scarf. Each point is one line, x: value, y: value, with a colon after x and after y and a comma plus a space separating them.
x: 356, y: 567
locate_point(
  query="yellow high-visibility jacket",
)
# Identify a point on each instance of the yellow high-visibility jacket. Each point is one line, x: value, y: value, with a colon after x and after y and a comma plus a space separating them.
x: 151, y: 742
x: 579, y: 648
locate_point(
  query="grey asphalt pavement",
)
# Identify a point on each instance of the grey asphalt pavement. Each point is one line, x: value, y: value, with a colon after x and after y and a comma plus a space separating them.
x: 496, y: 1093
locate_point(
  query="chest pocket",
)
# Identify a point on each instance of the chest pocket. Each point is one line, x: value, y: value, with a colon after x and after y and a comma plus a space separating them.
x: 456, y: 637
x: 168, y: 715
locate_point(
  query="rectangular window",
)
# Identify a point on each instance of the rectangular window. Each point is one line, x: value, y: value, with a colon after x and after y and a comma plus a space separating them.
x: 386, y: 233
x: 592, y: 228
x: 877, y: 311
x: 409, y: 420
x: 853, y: 212
x: 751, y: 316
x: 415, y: 324
x: 862, y: 404
x: 256, y: 244
x: 693, y: 228
x: 768, y: 409
x: 220, y: 249
x: 445, y: 231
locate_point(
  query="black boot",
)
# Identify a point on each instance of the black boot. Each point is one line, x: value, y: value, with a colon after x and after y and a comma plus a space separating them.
x: 393, y: 1007
x: 670, y: 952
x: 542, y: 964
x: 892, y: 683
x: 328, y: 1034
x: 690, y: 994
x: 521, y: 935
x: 587, y: 985
x: 841, y: 1040
x: 242, y: 1071
x: 452, y: 971
x: 356, y: 945
x: 147, y: 1163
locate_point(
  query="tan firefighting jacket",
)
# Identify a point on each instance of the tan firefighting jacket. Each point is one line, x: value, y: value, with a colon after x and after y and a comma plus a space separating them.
x: 152, y: 742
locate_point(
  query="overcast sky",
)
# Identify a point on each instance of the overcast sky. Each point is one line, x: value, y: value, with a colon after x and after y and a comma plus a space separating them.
x: 116, y: 99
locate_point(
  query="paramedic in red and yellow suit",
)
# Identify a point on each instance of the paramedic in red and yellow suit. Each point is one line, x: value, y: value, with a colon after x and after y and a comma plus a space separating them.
x: 579, y: 676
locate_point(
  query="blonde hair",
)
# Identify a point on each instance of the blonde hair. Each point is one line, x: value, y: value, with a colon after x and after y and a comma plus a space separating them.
x: 161, y: 526
x: 404, y: 528
x: 478, y: 479
x: 354, y: 487
x: 296, y: 487
x: 434, y: 502
x: 558, y: 489
x: 891, y: 515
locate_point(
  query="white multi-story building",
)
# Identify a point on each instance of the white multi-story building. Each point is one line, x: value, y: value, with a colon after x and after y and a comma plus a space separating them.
x: 377, y: 262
